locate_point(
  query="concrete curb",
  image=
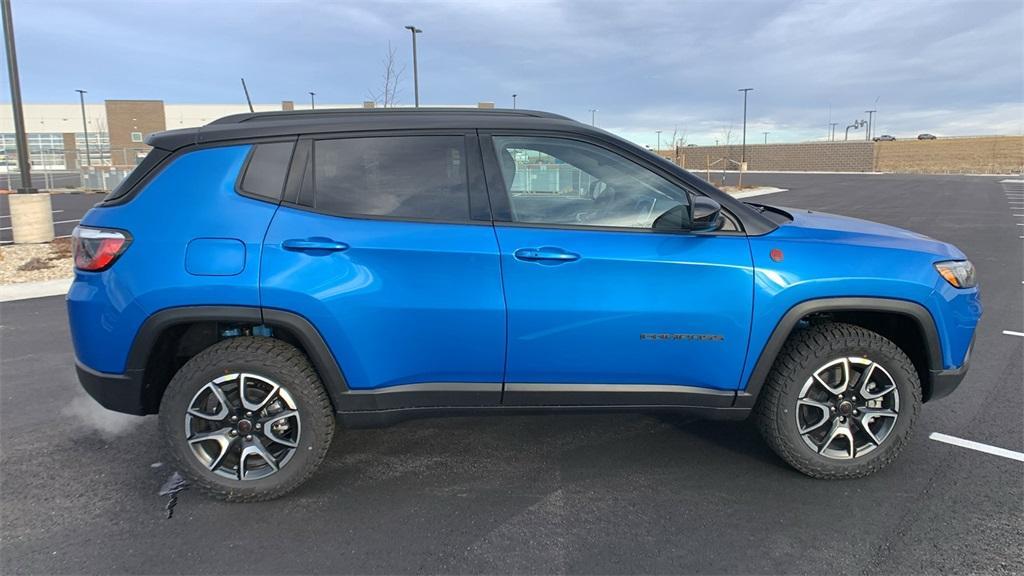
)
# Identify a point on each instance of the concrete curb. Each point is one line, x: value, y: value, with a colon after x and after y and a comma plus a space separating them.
x: 28, y: 290
x: 759, y: 191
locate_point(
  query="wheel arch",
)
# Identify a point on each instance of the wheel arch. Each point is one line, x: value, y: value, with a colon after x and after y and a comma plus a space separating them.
x: 169, y: 337
x: 908, y: 324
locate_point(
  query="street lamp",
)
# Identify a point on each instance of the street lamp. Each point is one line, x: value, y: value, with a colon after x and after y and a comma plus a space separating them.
x: 24, y: 166
x: 834, y: 124
x: 312, y: 100
x: 415, y: 67
x: 85, y: 128
x: 871, y: 124
x: 658, y: 132
x: 766, y: 136
x: 593, y: 113
x: 513, y: 101
x: 743, y: 154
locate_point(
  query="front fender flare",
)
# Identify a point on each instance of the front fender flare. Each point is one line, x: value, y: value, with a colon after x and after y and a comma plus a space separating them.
x: 748, y: 396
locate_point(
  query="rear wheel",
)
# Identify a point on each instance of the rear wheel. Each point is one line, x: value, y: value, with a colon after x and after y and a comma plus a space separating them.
x: 840, y: 401
x: 247, y: 419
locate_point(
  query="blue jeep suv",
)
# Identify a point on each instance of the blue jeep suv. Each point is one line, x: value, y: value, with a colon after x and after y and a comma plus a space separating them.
x: 258, y: 280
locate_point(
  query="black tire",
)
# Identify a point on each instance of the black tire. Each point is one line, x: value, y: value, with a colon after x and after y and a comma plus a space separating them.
x: 805, y: 352
x: 268, y: 358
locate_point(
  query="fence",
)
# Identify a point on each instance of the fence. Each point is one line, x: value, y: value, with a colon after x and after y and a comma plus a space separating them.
x: 104, y: 174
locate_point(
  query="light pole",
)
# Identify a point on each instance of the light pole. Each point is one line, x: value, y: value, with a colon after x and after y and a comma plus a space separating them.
x: 24, y: 167
x: 312, y: 100
x: 766, y: 136
x: 593, y: 115
x: 658, y: 132
x: 834, y: 124
x: 85, y: 128
x: 513, y: 101
x: 415, y: 66
x: 743, y: 154
x: 871, y: 125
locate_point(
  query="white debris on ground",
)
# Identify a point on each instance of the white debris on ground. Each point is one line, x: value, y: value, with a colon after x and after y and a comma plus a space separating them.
x: 21, y: 263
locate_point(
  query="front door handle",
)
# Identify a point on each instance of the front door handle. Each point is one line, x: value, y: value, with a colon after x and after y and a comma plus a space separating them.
x: 315, y: 244
x: 545, y: 254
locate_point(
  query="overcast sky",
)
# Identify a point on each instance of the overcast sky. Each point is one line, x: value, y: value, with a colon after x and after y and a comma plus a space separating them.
x: 949, y: 68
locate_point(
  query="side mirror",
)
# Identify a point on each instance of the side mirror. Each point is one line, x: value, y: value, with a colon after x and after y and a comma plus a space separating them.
x: 705, y: 214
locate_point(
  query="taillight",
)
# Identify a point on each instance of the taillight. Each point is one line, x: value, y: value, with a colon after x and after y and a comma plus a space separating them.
x: 95, y: 249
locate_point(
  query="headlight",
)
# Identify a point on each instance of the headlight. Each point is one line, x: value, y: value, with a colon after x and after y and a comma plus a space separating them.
x: 959, y: 273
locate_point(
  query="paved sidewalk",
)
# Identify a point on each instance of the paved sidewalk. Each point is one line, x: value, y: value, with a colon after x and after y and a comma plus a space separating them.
x: 27, y: 290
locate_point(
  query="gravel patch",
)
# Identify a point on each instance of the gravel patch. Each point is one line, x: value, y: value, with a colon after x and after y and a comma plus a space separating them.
x: 35, y: 262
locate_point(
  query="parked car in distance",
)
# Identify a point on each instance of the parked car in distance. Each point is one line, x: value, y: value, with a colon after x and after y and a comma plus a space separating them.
x: 884, y: 138
x: 926, y: 136
x: 267, y: 277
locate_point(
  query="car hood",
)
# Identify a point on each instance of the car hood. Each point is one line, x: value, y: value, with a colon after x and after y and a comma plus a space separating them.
x: 824, y: 227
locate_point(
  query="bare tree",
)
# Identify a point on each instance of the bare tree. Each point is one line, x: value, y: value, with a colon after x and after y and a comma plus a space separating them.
x: 391, y: 77
x: 678, y: 140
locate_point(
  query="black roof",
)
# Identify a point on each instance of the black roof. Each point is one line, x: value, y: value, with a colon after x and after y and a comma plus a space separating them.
x: 245, y: 127
x: 293, y: 122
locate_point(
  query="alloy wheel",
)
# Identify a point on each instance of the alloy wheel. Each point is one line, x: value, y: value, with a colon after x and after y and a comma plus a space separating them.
x: 242, y: 426
x: 847, y: 408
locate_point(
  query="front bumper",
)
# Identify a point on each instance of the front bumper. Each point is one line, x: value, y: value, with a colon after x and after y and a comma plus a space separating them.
x: 117, y: 392
x: 943, y: 382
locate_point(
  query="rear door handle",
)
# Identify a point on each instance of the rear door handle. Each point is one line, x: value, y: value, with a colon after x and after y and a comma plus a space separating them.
x: 313, y: 245
x: 545, y: 254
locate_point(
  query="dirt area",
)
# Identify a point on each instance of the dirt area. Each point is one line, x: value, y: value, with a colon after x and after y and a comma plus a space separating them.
x: 35, y: 262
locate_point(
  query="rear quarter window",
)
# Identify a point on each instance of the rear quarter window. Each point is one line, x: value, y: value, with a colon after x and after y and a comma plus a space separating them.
x: 267, y: 169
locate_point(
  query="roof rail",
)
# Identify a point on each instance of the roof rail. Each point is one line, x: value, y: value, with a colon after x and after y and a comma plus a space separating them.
x: 328, y: 113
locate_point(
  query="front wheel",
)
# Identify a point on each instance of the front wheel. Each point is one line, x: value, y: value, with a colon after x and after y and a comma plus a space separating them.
x: 840, y: 401
x: 247, y: 419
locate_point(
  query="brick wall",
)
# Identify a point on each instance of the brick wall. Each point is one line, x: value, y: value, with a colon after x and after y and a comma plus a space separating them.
x: 853, y: 156
x: 127, y: 116
x: 980, y: 155
x: 70, y: 155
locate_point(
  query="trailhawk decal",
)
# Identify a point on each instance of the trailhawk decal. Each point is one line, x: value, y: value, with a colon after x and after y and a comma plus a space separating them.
x: 688, y: 337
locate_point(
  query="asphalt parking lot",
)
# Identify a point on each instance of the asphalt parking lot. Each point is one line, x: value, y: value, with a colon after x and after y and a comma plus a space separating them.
x: 602, y: 494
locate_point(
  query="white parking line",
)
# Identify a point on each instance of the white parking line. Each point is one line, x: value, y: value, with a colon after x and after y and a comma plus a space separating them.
x: 66, y: 221
x: 1018, y: 456
x: 1012, y: 333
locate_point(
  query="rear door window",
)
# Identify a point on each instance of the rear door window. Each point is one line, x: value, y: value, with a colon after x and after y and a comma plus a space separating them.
x: 404, y: 177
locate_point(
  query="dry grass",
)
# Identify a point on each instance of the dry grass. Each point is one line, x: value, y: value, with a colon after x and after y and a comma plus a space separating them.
x: 990, y: 155
x: 33, y: 264
x: 60, y: 249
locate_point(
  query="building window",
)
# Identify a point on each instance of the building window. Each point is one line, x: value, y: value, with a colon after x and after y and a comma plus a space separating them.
x: 136, y: 136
